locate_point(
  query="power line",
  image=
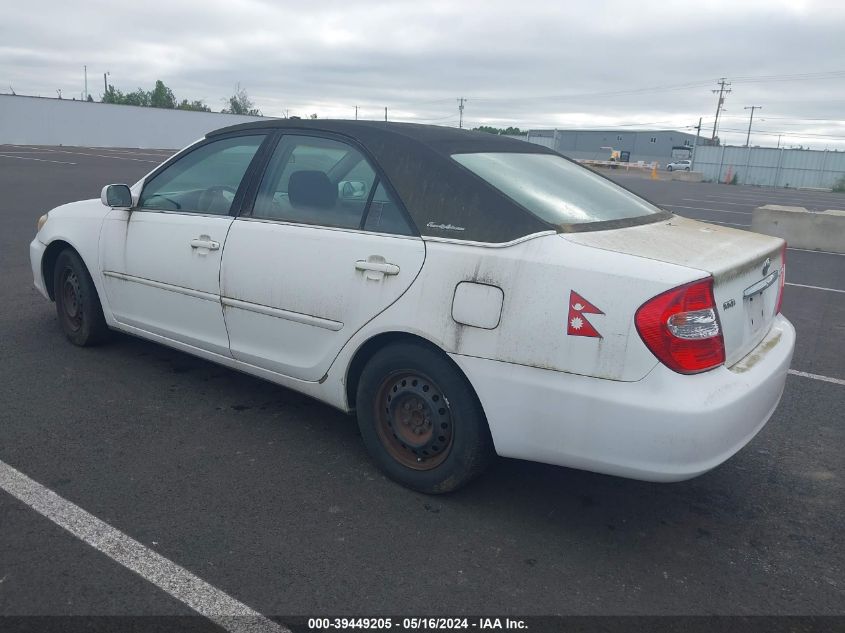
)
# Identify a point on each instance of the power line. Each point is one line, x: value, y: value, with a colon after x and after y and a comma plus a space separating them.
x: 830, y: 74
x: 794, y: 134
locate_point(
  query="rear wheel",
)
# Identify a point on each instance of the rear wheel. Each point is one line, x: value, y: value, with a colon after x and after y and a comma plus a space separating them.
x: 77, y: 304
x: 420, y: 419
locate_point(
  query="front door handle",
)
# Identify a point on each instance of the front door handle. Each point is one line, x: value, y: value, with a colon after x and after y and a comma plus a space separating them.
x: 204, y: 242
x: 375, y: 267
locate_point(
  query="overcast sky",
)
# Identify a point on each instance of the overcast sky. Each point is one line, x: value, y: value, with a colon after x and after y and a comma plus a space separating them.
x: 534, y: 64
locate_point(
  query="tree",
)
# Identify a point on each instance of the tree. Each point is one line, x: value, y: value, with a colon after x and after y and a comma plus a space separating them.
x: 240, y: 103
x: 162, y: 96
x: 511, y: 131
x: 159, y: 97
x: 112, y: 96
x: 197, y: 106
x: 140, y: 97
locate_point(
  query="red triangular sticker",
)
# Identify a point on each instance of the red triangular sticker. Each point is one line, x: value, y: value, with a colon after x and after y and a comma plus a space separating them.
x: 577, y: 324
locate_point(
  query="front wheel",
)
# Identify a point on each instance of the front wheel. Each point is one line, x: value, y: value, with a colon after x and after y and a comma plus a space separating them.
x: 669, y: 168
x: 77, y: 304
x: 420, y: 419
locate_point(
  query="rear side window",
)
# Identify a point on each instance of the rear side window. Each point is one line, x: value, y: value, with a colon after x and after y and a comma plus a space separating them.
x: 384, y: 215
x: 555, y: 189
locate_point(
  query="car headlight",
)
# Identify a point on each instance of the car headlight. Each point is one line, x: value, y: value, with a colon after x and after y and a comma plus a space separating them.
x: 42, y: 221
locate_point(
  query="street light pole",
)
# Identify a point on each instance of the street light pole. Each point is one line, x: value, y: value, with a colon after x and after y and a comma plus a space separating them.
x: 750, y: 120
x: 695, y: 144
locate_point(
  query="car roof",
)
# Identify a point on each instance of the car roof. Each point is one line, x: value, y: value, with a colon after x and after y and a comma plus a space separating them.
x: 444, y: 139
x: 442, y: 197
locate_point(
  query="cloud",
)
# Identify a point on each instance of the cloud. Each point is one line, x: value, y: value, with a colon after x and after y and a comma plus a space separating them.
x: 532, y: 64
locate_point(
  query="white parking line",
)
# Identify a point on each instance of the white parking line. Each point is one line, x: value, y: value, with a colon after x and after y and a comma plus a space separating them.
x: 746, y: 226
x: 810, y: 250
x: 64, y: 151
x: 739, y: 204
x: 152, y: 152
x: 789, y: 283
x: 40, y: 160
x: 804, y: 374
x: 208, y: 601
x: 680, y: 206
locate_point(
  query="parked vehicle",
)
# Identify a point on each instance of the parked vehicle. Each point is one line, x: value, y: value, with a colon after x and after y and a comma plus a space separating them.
x: 465, y: 294
x: 683, y: 165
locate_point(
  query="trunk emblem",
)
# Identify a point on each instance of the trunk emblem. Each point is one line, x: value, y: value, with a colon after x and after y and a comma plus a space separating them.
x: 577, y: 324
x: 766, y: 265
x: 730, y: 303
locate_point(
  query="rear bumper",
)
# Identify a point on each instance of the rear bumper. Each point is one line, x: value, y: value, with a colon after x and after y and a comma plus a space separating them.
x: 665, y: 427
x: 36, y: 254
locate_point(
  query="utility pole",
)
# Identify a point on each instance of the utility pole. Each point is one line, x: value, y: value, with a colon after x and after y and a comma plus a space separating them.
x: 752, y: 108
x: 461, y: 112
x: 695, y: 144
x: 85, y: 96
x: 779, y: 135
x: 723, y: 90
x: 356, y: 113
x: 105, y: 84
x: 385, y: 114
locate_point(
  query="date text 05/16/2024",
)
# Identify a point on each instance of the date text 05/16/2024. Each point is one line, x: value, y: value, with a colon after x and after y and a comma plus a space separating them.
x: 416, y: 624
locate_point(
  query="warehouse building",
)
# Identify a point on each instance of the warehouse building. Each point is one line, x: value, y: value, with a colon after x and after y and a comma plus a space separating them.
x: 661, y: 146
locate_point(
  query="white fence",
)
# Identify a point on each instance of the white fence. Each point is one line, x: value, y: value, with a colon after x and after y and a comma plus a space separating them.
x: 771, y: 167
x: 41, y: 121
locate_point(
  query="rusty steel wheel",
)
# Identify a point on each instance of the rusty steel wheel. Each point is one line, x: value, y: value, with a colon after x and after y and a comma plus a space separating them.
x: 420, y: 418
x: 413, y: 420
x: 77, y: 304
x: 71, y: 302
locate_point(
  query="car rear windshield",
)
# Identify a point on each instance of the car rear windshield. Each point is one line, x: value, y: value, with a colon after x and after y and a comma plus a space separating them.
x: 555, y: 189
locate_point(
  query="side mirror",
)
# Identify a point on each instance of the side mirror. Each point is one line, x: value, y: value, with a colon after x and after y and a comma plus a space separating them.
x: 352, y: 189
x: 116, y: 196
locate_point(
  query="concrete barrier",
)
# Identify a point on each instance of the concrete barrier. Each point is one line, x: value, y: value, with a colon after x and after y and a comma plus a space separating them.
x: 821, y: 231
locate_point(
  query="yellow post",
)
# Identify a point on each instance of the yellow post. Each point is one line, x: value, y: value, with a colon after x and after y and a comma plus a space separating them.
x: 654, y: 171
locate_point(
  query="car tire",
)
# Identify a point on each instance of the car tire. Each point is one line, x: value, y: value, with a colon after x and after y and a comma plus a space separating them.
x: 669, y: 168
x: 686, y: 168
x: 420, y: 419
x: 77, y: 303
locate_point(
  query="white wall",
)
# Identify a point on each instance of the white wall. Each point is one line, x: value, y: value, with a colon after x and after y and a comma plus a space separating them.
x: 771, y: 167
x: 42, y: 121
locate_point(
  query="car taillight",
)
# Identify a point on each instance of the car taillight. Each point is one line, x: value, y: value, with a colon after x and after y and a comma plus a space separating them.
x: 681, y: 327
x: 782, y: 279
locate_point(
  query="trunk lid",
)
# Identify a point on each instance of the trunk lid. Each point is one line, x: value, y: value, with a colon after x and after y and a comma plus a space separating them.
x: 746, y: 269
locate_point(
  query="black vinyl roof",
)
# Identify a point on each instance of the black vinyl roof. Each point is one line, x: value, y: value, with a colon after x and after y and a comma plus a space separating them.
x: 444, y: 198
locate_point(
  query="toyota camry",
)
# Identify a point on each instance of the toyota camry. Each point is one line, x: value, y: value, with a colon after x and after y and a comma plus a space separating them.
x: 464, y: 294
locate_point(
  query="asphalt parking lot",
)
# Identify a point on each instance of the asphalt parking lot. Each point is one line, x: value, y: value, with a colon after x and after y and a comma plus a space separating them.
x: 271, y: 498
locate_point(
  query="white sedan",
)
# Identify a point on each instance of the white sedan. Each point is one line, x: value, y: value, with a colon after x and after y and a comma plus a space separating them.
x: 682, y: 165
x: 465, y: 294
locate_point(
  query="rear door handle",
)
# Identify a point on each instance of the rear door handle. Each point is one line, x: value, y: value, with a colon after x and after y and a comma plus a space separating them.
x: 376, y: 268
x: 205, y: 242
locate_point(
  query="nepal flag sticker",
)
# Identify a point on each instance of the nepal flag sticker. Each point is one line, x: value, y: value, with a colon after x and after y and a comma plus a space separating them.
x: 577, y: 324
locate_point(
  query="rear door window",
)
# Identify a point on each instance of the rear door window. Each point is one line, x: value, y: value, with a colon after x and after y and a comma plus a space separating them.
x: 326, y: 182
